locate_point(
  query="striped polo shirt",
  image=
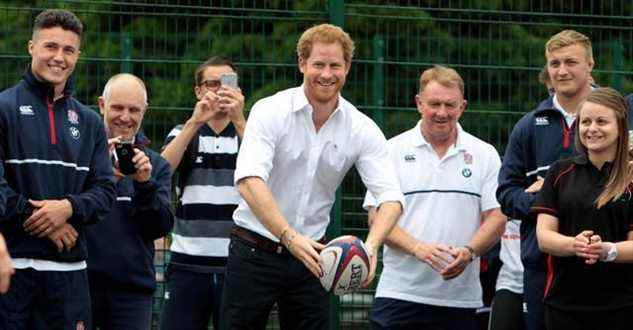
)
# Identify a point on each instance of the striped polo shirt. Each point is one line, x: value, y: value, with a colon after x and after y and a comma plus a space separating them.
x: 206, y: 199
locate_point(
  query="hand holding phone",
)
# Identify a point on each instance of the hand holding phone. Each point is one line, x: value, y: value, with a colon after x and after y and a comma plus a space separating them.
x: 229, y: 79
x: 124, y: 152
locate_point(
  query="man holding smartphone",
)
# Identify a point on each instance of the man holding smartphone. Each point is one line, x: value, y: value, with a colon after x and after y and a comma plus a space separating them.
x: 203, y: 152
x: 121, y: 249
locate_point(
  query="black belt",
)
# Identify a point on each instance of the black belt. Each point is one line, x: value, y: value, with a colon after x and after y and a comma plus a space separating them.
x: 258, y: 241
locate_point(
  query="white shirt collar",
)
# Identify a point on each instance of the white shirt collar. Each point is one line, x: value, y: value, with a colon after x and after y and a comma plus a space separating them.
x: 300, y: 101
x: 419, y: 139
x: 569, y: 117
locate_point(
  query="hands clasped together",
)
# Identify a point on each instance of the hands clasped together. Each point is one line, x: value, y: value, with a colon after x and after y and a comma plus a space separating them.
x: 448, y: 261
x: 590, y: 247
x: 48, y: 219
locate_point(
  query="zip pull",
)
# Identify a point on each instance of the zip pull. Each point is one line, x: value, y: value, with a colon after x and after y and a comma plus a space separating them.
x: 51, y: 120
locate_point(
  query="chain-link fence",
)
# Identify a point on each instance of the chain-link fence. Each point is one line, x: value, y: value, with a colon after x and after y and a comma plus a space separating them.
x: 497, y: 47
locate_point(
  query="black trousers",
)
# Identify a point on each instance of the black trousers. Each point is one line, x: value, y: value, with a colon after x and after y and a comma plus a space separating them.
x: 619, y: 319
x: 256, y: 280
x: 507, y: 311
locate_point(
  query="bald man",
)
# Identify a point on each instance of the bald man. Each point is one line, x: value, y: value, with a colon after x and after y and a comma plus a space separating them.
x: 121, y: 248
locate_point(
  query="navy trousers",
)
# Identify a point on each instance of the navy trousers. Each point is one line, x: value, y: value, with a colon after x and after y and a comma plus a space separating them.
x: 394, y: 314
x: 114, y: 308
x: 51, y: 300
x: 533, y: 293
x: 192, y: 299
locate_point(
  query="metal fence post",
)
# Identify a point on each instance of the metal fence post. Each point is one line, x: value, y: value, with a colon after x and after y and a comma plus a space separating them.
x: 126, y: 52
x: 336, y: 9
x: 378, y: 86
x: 616, y: 80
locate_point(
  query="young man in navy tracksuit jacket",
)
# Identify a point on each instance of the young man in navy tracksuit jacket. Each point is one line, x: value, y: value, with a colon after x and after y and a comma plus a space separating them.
x: 121, y: 249
x: 58, y: 179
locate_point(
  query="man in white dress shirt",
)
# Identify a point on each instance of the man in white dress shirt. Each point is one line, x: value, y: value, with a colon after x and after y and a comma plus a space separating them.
x: 298, y: 146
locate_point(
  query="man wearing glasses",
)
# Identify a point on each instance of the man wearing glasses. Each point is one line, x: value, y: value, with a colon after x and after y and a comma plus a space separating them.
x: 203, y: 152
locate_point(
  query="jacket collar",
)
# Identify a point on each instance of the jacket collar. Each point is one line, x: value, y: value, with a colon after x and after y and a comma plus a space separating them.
x: 583, y: 159
x: 141, y: 139
x: 580, y: 159
x: 546, y: 105
x: 45, y: 89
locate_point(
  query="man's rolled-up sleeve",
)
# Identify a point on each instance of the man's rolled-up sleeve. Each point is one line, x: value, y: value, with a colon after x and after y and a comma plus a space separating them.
x: 255, y: 157
x: 377, y: 170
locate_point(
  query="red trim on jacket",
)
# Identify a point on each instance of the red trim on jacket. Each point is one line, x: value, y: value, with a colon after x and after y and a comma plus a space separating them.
x: 568, y: 170
x: 550, y: 275
x: 51, y: 121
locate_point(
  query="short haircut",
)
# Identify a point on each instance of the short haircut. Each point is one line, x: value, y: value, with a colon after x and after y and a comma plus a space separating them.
x: 568, y: 38
x: 212, y: 61
x: 446, y: 77
x: 51, y: 18
x: 108, y: 85
x: 328, y: 34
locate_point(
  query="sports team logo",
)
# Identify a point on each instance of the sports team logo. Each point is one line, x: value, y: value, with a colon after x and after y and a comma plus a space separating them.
x: 26, y: 110
x: 74, y: 132
x: 468, y: 158
x: 73, y: 118
x: 540, y: 121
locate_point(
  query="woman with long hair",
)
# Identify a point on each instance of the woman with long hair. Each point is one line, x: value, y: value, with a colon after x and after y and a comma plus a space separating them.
x: 585, y: 222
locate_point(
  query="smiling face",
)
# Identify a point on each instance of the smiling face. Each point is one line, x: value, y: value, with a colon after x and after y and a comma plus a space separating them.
x: 440, y: 107
x: 569, y: 69
x: 123, y: 108
x: 54, y: 53
x: 598, y: 128
x: 324, y: 73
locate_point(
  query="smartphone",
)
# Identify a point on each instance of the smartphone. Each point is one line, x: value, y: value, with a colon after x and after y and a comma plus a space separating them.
x: 124, y: 154
x: 229, y: 79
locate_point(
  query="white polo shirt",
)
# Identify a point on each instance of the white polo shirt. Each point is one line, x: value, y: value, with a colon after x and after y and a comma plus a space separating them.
x: 303, y: 168
x: 444, y: 200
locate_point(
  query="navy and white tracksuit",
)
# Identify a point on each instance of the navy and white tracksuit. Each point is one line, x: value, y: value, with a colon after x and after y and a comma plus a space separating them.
x: 49, y: 150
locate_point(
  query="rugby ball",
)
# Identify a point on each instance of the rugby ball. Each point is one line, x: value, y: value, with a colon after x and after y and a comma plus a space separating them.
x: 345, y: 264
